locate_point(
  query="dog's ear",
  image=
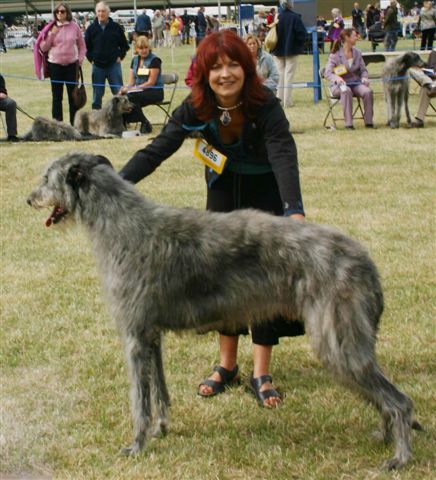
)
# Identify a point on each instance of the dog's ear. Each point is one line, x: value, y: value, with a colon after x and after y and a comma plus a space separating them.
x: 76, y: 177
x: 101, y: 160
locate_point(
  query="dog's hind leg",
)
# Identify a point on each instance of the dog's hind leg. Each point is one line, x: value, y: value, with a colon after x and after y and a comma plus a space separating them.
x: 139, y: 354
x: 396, y: 411
x: 159, y: 392
x: 346, y: 346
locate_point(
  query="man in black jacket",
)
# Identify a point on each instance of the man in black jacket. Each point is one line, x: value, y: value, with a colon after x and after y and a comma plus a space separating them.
x: 357, y: 16
x: 10, y: 107
x: 106, y: 46
x: 291, y: 37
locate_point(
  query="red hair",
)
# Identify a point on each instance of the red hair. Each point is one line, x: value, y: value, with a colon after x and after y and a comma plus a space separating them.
x: 217, y: 44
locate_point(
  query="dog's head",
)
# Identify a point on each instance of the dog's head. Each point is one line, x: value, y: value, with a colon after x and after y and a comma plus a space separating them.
x: 412, y: 59
x: 121, y: 104
x: 60, y: 186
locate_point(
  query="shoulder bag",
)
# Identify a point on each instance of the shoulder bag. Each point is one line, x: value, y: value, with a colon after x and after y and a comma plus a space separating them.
x: 79, y: 92
x: 271, y: 37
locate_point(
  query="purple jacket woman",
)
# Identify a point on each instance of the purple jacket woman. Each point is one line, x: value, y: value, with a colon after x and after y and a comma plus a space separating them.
x: 348, y: 77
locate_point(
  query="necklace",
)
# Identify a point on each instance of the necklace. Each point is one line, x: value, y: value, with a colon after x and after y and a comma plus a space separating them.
x: 225, y: 117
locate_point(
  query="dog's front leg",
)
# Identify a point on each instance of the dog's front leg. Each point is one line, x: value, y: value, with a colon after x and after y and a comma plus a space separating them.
x: 139, y: 356
x: 159, y: 391
x: 406, y: 106
x: 388, y: 99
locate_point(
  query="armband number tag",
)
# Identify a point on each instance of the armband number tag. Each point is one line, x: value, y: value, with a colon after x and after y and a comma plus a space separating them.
x: 209, y: 156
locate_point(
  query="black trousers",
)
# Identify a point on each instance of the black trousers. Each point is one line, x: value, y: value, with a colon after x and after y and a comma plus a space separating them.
x: 60, y: 75
x: 142, y: 99
x: 232, y: 191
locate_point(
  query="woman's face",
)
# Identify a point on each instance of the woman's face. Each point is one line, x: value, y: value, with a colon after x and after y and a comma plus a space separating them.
x: 226, y: 79
x: 143, y: 51
x: 352, y: 39
x: 252, y: 46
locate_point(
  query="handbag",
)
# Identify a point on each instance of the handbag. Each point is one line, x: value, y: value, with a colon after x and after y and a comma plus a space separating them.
x: 271, y: 37
x: 79, y: 92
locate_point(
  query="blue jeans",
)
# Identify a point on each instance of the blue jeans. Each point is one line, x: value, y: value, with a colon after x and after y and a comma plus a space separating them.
x: 112, y: 74
x: 390, y: 41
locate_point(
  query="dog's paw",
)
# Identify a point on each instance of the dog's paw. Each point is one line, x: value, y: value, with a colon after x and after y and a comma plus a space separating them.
x: 395, y: 463
x: 131, y: 451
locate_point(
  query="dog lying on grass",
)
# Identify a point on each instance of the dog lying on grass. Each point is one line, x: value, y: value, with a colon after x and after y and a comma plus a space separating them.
x: 166, y: 268
x: 48, y: 129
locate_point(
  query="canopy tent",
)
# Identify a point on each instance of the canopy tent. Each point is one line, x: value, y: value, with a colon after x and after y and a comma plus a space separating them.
x: 44, y: 6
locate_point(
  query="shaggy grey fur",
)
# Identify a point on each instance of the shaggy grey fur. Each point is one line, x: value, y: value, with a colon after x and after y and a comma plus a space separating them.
x: 108, y: 121
x: 396, y: 86
x: 166, y: 268
x: 47, y: 129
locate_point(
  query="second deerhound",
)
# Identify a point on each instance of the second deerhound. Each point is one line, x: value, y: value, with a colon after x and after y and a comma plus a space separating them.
x: 166, y: 268
x: 396, y: 86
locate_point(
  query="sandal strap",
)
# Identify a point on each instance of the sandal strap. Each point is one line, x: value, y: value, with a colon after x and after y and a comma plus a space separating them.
x: 227, y: 376
x: 214, y: 384
x: 259, y: 381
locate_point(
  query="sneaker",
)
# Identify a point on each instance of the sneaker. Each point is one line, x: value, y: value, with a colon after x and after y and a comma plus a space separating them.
x: 13, y: 138
x: 350, y: 127
x: 370, y: 125
x: 146, y: 127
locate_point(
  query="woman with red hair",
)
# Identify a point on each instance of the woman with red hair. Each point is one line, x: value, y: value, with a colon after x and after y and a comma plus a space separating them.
x: 251, y: 162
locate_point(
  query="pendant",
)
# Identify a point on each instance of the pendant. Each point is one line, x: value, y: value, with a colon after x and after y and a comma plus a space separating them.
x: 225, y: 118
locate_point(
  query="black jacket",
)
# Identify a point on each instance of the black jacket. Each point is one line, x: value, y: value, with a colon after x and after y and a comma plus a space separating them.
x: 103, y: 47
x: 265, y: 140
x: 291, y: 35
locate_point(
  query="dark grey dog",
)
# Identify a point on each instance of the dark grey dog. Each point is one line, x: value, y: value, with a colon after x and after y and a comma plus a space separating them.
x: 48, y: 129
x: 107, y: 122
x: 396, y: 86
x: 175, y: 269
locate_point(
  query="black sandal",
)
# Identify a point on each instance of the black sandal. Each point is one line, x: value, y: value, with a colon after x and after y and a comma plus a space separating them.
x: 228, y: 378
x: 256, y: 384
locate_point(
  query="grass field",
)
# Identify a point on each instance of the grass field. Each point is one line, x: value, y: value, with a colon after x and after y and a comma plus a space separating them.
x: 64, y: 390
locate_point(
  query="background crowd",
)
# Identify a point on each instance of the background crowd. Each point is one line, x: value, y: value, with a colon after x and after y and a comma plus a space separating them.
x: 61, y: 45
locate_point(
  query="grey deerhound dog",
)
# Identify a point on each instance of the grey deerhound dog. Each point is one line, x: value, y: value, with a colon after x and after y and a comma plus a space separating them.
x: 167, y: 268
x: 107, y: 122
x: 396, y: 86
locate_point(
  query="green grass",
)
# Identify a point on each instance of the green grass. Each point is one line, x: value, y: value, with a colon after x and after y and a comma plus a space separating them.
x: 64, y: 389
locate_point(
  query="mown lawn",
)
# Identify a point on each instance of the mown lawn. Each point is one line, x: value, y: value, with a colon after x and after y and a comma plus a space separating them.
x: 64, y: 389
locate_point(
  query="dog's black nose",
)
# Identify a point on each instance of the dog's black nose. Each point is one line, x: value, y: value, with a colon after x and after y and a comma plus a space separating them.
x: 28, y: 201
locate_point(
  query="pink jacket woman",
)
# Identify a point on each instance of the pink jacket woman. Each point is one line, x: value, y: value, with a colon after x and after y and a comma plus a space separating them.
x: 62, y: 46
x: 67, y: 46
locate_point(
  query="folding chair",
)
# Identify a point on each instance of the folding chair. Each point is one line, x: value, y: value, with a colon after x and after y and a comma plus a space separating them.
x: 332, y: 102
x: 170, y: 81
